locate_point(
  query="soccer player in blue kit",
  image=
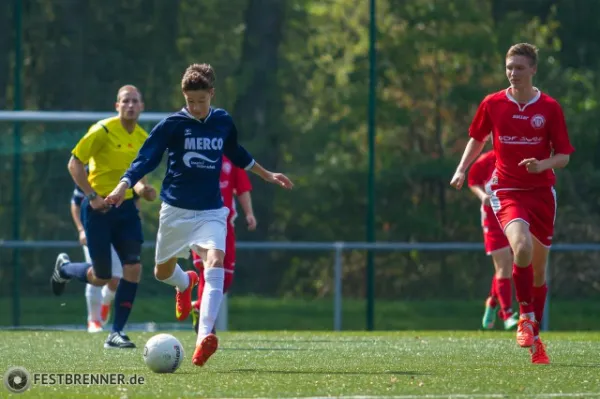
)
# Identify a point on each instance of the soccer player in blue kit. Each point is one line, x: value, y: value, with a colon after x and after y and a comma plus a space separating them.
x: 192, y: 214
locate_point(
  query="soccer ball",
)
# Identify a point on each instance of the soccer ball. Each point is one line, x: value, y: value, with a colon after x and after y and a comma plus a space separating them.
x: 163, y: 353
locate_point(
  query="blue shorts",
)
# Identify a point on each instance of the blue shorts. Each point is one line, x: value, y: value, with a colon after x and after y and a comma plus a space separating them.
x: 121, y: 227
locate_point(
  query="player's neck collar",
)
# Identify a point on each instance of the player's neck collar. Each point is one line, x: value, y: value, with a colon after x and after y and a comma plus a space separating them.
x: 523, y: 106
x: 187, y: 113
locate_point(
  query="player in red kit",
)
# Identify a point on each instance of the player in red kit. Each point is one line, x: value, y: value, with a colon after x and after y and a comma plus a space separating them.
x: 530, y: 139
x: 233, y: 181
x: 496, y: 245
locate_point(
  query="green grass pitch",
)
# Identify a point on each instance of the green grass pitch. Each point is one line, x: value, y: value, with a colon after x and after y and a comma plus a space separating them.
x: 317, y: 364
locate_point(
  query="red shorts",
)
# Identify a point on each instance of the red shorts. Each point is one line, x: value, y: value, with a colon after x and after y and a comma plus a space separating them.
x: 536, y: 207
x: 493, y: 236
x: 229, y: 261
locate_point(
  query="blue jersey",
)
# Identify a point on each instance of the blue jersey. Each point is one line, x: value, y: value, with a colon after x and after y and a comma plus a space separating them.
x: 195, y: 151
x: 78, y: 196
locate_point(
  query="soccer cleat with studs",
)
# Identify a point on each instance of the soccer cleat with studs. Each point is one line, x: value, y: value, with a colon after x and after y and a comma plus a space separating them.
x: 118, y: 340
x: 58, y: 282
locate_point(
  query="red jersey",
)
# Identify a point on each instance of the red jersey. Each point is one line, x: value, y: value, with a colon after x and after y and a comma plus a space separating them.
x: 480, y: 174
x: 233, y: 180
x: 520, y: 131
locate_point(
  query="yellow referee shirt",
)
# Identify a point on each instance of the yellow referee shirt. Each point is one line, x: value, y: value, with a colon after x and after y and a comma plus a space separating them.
x: 108, y: 149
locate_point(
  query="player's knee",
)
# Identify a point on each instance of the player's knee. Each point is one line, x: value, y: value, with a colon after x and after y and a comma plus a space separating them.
x: 98, y: 281
x: 132, y: 272
x: 523, y: 250
x: 213, y: 262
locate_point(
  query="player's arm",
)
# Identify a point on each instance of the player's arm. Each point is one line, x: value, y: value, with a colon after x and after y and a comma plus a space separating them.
x: 147, y: 160
x: 561, y: 145
x: 245, y: 200
x: 480, y: 193
x: 242, y: 159
x: 80, y: 175
x: 86, y: 148
x: 76, y: 216
x: 478, y: 131
x: 144, y: 190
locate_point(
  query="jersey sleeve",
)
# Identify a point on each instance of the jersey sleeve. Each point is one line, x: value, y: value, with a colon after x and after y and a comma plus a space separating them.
x: 150, y: 153
x: 481, y: 126
x: 77, y: 197
x: 91, y: 143
x: 242, y: 182
x: 559, y: 135
x: 235, y: 152
x: 476, y: 175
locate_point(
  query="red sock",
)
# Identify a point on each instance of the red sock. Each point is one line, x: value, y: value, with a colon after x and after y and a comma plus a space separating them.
x: 227, y: 282
x: 523, y: 278
x: 504, y: 293
x: 539, y: 302
x: 493, y: 294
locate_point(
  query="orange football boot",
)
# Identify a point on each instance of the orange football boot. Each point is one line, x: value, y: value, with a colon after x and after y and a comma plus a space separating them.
x: 183, y: 300
x: 205, y: 350
x: 525, y: 333
x: 538, y: 353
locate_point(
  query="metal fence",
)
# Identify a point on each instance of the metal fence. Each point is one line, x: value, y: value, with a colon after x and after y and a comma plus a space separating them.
x: 336, y: 247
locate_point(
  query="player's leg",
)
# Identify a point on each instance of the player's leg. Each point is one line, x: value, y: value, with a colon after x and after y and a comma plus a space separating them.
x: 514, y: 219
x: 491, y: 303
x: 214, y: 275
x: 93, y: 299
x: 228, y: 266
x: 175, y: 231
x: 199, y: 266
x: 209, y: 241
x: 97, y: 230
x: 503, y: 260
x: 197, y: 260
x: 110, y: 289
x: 127, y: 238
x: 543, y: 205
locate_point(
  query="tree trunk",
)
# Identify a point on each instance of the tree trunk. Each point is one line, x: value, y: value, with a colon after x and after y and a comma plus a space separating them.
x: 256, y: 110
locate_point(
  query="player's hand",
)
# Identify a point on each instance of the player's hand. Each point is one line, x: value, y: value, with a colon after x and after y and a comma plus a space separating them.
x: 457, y: 180
x: 82, y: 238
x: 99, y: 204
x: 281, y: 180
x: 251, y: 220
x: 532, y: 165
x: 485, y: 200
x: 147, y: 192
x: 117, y: 196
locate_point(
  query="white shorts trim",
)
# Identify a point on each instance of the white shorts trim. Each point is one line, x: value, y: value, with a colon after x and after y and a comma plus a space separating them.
x: 491, y: 253
x: 515, y: 220
x: 181, y: 230
x: 116, y: 267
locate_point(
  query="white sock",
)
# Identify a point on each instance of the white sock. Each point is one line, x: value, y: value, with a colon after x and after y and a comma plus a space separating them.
x: 108, y: 295
x: 211, y: 301
x: 93, y: 299
x: 178, y: 279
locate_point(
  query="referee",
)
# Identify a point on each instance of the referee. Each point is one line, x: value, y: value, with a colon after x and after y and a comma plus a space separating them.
x: 108, y: 149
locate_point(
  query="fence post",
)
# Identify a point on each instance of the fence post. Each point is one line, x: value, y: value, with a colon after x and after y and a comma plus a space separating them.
x: 337, y: 281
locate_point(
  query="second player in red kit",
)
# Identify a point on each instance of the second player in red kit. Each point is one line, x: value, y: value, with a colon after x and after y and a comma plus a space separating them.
x: 233, y: 182
x: 496, y: 246
x: 530, y: 140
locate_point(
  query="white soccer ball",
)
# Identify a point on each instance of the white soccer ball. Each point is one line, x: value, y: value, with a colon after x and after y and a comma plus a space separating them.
x: 163, y: 353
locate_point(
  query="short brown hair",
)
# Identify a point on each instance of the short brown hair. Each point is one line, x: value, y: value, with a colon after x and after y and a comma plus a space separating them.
x: 198, y: 77
x: 525, y: 49
x: 128, y: 88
